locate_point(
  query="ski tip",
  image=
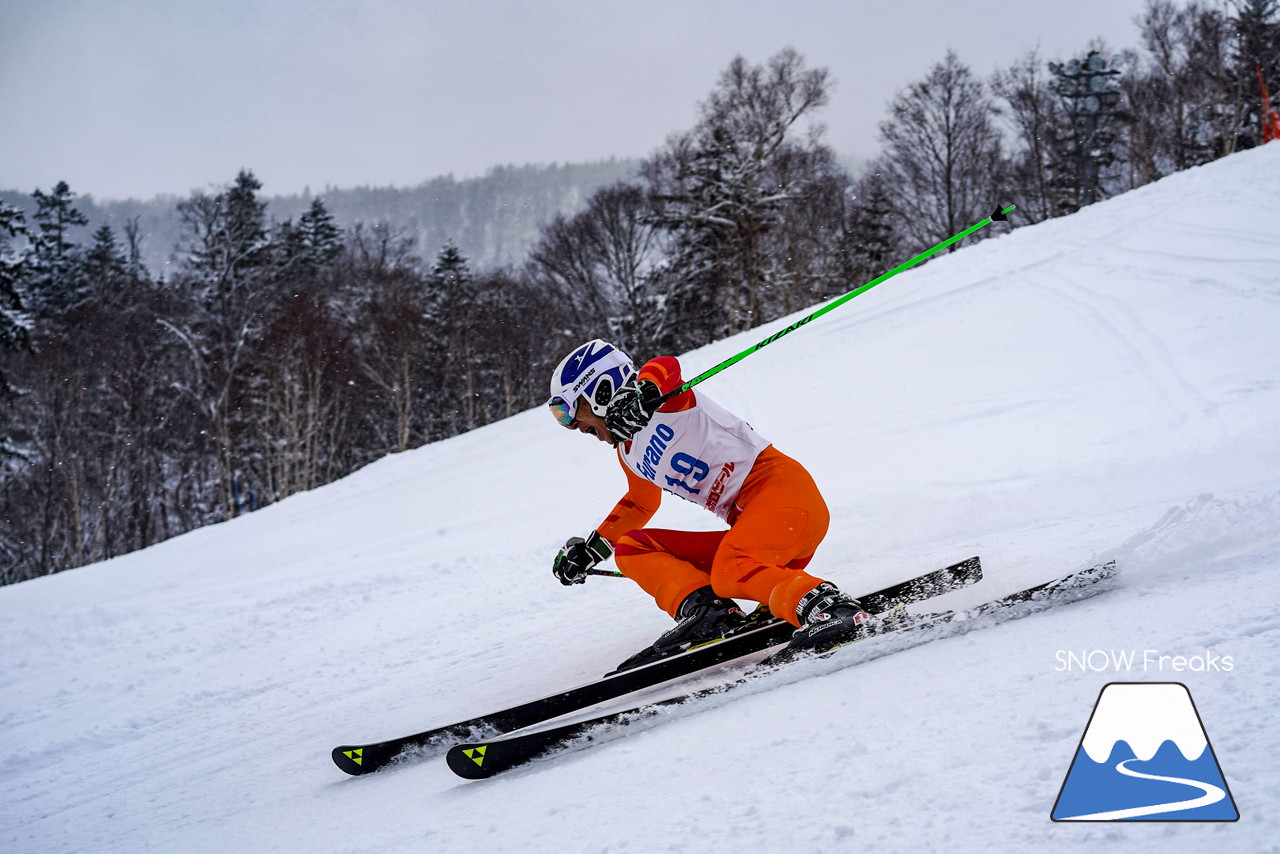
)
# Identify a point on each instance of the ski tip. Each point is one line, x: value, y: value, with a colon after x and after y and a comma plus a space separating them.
x: 352, y: 759
x: 471, y: 761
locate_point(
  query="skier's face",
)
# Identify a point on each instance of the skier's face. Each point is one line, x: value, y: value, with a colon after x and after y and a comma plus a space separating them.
x: 586, y: 421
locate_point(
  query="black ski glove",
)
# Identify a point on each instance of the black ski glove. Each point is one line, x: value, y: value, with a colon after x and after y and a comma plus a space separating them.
x: 631, y: 408
x: 579, y: 555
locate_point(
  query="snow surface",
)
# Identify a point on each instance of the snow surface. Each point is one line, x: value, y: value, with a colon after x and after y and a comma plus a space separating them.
x: 1105, y: 385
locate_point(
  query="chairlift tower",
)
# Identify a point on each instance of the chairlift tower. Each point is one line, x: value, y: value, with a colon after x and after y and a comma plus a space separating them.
x: 1090, y: 90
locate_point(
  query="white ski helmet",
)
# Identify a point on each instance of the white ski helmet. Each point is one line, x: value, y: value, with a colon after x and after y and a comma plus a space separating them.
x: 596, y: 370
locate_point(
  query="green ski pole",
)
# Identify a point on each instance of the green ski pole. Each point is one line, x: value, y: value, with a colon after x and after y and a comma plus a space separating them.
x: 1000, y: 215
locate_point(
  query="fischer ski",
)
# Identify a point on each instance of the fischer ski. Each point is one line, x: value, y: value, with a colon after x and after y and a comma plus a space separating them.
x: 358, y: 759
x: 482, y: 759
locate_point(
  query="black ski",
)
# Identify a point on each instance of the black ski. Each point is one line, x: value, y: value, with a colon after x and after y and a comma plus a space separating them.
x: 366, y: 758
x: 482, y: 759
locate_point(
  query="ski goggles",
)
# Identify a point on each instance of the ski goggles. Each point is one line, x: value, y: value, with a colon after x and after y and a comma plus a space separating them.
x: 563, y: 410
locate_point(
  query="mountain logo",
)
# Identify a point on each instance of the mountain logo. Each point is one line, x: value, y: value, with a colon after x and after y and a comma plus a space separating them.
x: 1145, y: 756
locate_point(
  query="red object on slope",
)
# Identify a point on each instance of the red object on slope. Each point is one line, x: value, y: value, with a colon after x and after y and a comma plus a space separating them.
x: 1270, y: 118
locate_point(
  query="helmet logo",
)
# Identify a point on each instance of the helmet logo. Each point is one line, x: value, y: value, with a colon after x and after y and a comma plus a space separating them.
x: 586, y: 356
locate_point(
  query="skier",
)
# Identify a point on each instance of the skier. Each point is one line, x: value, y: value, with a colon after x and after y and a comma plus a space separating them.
x: 691, y: 447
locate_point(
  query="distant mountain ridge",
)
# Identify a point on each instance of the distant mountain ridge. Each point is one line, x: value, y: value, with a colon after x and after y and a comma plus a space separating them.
x: 494, y: 219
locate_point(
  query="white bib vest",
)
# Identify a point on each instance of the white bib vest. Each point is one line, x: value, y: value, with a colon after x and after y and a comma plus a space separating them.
x: 701, y: 454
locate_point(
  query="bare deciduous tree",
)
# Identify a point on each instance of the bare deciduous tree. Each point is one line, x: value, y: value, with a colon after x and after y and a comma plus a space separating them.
x: 942, y: 152
x: 1039, y: 125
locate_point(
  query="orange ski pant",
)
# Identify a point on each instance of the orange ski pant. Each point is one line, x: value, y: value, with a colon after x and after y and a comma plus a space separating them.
x: 779, y: 520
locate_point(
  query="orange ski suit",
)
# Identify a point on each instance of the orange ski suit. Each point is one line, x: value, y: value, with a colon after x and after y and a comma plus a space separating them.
x: 775, y: 526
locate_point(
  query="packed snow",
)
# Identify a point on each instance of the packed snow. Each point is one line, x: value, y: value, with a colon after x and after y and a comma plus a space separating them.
x: 1101, y: 386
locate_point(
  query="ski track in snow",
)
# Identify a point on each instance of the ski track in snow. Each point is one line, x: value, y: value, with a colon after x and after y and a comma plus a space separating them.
x: 1101, y: 386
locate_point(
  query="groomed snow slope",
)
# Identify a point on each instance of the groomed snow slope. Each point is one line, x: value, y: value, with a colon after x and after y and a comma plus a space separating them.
x: 1106, y: 385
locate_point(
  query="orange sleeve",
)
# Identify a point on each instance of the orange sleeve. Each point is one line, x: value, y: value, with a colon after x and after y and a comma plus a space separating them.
x: 633, y: 510
x: 664, y: 372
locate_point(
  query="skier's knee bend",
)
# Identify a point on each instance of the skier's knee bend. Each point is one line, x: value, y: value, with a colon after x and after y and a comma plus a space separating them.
x: 730, y: 571
x: 741, y: 575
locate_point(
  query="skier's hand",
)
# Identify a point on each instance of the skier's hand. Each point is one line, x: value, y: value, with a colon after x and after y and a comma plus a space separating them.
x: 579, y: 555
x: 631, y: 408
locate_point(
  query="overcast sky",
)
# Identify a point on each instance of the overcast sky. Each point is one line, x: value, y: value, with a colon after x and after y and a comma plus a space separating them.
x: 132, y: 98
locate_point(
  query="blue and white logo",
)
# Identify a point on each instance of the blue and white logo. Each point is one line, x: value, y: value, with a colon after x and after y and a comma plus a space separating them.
x: 1145, y: 756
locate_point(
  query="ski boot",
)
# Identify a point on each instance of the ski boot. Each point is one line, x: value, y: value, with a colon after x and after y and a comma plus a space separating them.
x: 703, y: 617
x: 828, y: 617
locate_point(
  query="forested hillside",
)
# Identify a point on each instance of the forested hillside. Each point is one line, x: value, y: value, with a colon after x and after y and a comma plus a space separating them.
x: 494, y: 220
x: 170, y: 364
